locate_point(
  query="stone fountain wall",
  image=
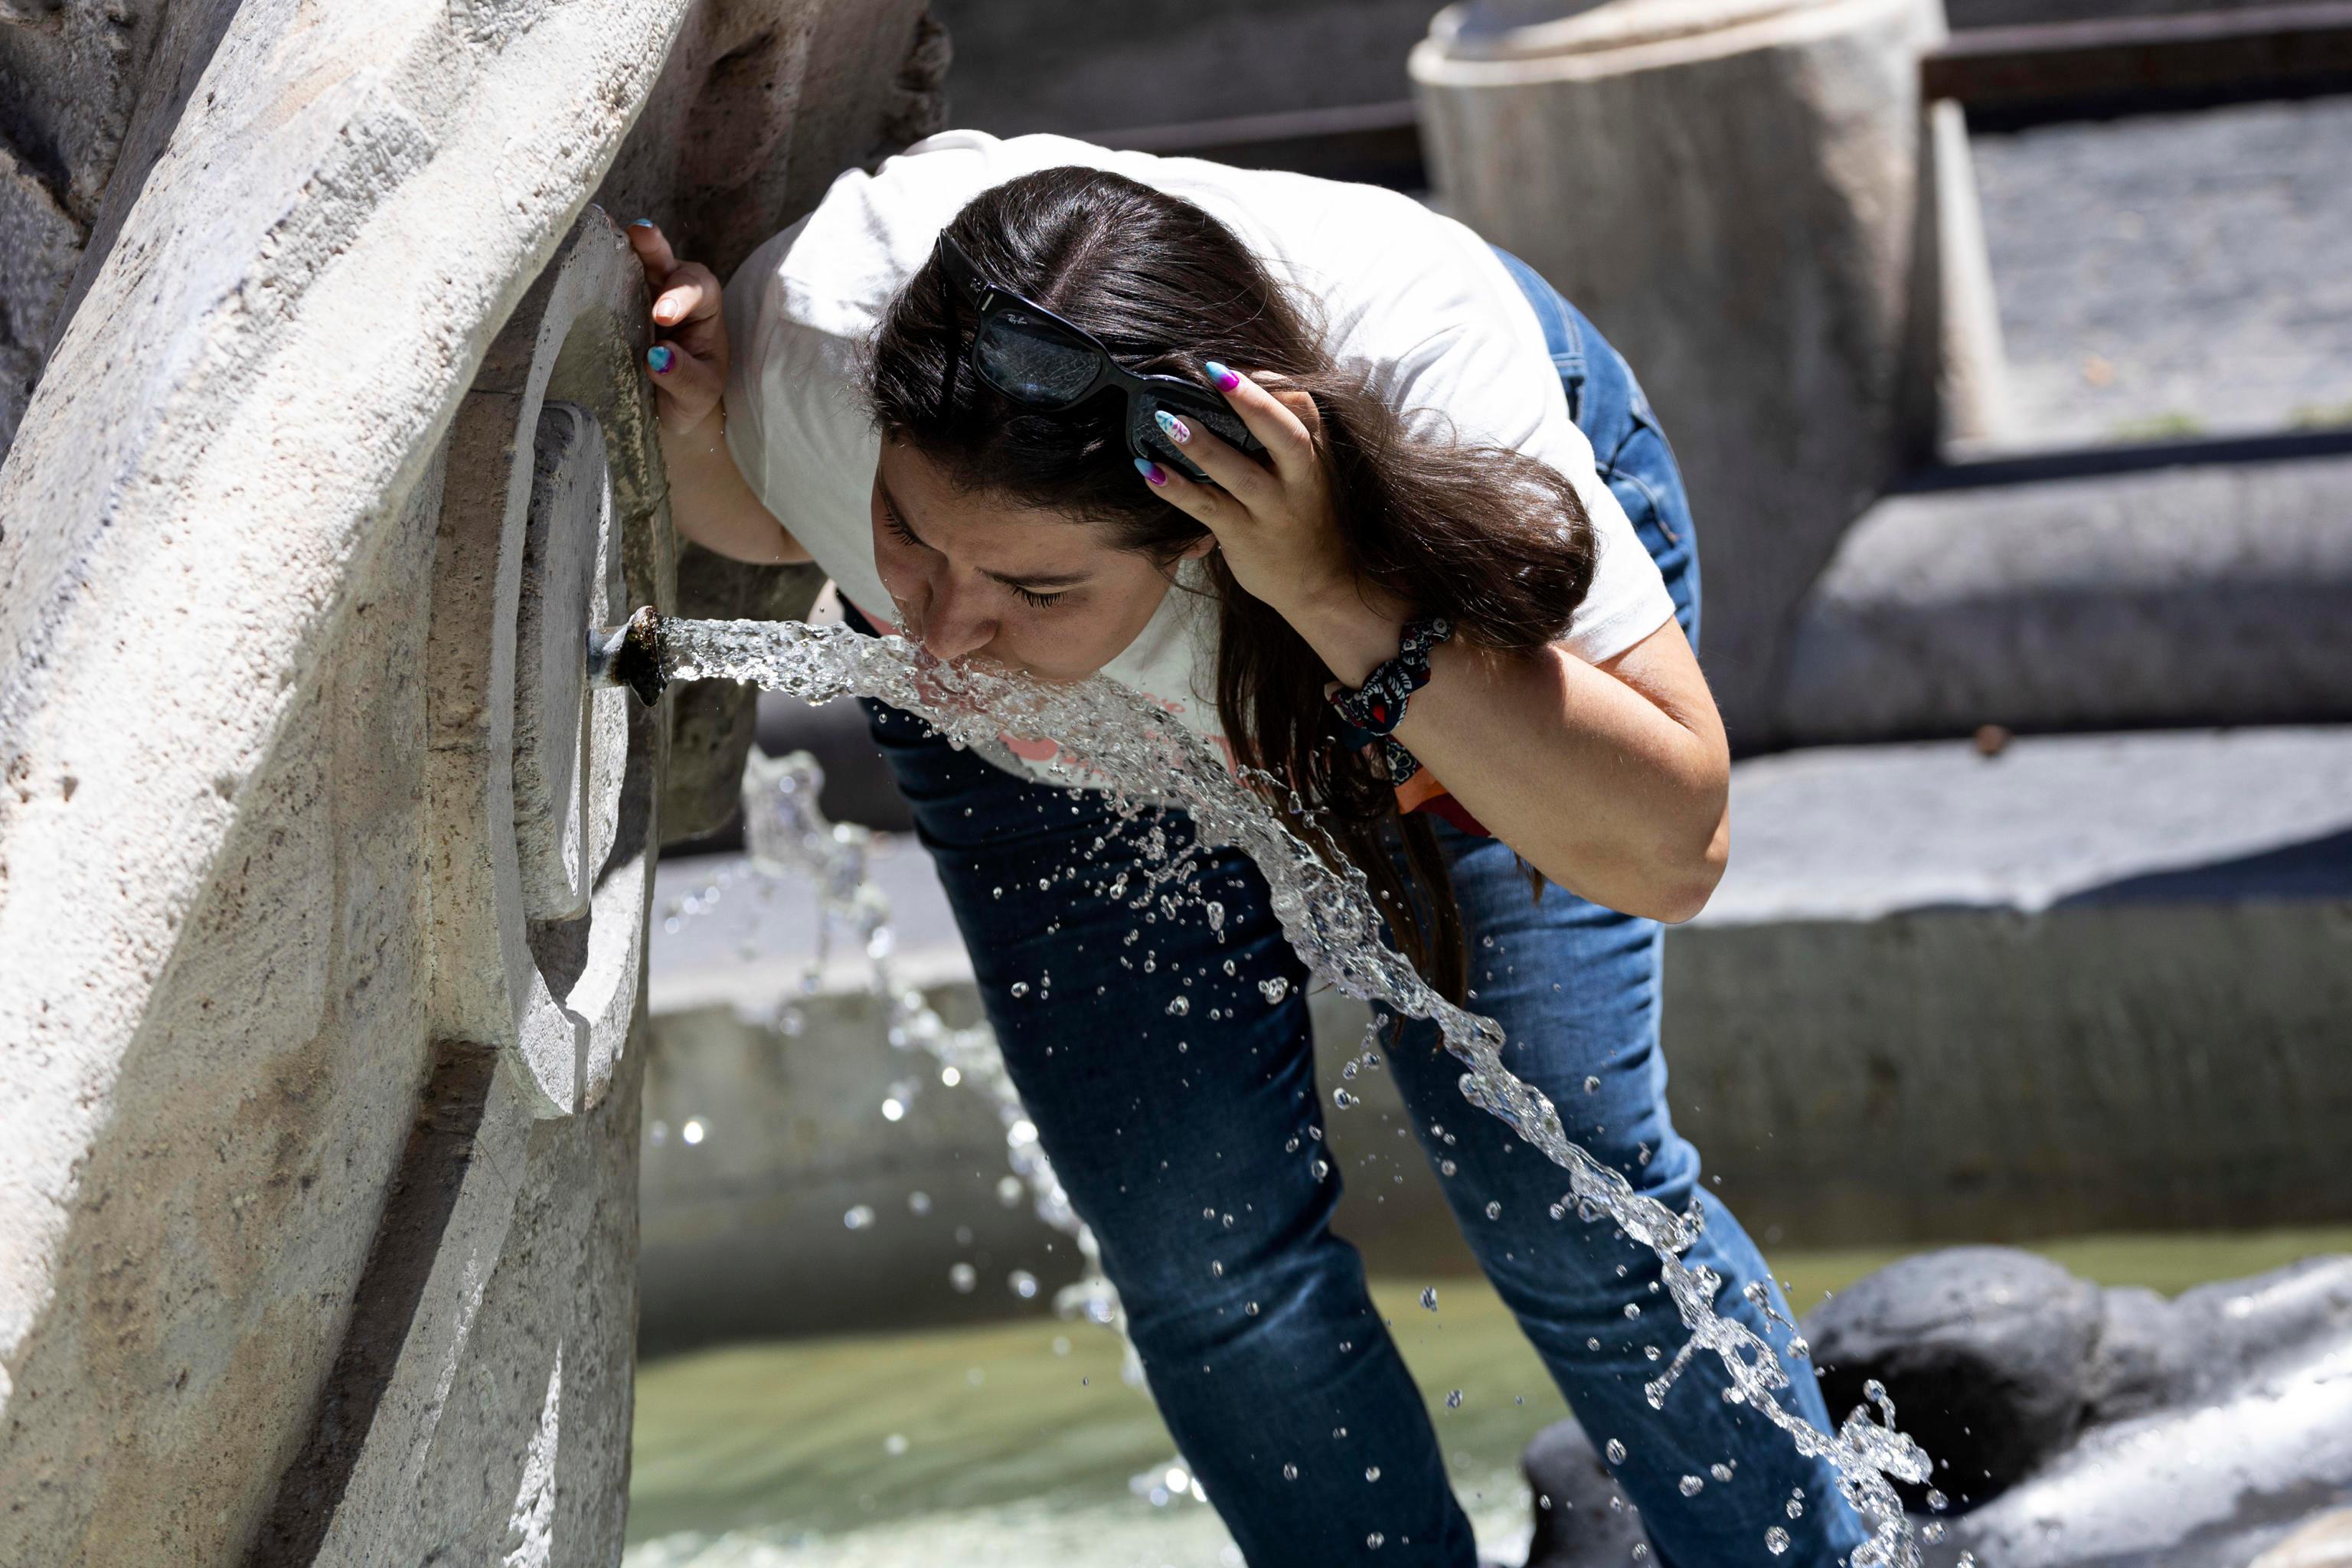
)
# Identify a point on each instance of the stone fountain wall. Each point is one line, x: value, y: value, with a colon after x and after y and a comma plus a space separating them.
x: 322, y: 880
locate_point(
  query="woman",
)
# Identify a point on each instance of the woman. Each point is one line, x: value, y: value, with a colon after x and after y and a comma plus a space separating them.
x: 1462, y: 500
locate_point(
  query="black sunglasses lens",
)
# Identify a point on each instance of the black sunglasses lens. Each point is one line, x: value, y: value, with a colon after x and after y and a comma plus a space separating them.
x: 1033, y: 361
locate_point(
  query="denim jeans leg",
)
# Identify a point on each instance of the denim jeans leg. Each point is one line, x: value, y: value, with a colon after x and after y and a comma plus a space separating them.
x: 1576, y: 988
x: 1179, y: 1108
x: 1628, y: 449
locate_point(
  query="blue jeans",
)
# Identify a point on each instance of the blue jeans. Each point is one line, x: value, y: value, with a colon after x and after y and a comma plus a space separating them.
x: 1185, y: 1141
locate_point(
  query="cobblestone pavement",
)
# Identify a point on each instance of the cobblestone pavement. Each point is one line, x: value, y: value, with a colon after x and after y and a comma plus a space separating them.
x: 2174, y: 275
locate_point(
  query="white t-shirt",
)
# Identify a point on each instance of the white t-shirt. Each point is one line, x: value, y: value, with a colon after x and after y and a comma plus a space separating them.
x: 1411, y: 299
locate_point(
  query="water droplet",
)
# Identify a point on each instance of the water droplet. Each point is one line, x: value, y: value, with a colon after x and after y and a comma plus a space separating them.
x: 1009, y: 1191
x: 1776, y: 1540
x: 1216, y: 1270
x: 963, y: 1276
x: 1691, y: 1486
x: 1453, y: 1400
x: 1371, y: 1472
x: 1178, y: 1006
x: 1290, y: 1472
x: 693, y: 1131
x: 1023, y: 1284
x: 895, y: 1444
x: 1937, y: 1502
x: 1341, y: 1099
x: 1445, y: 1167
x: 1616, y: 1451
x: 1429, y: 1297
x: 1020, y: 988
x: 1493, y: 1209
x: 859, y: 1216
x: 1273, y: 990
x: 1632, y: 1309
x: 1375, y: 1540
x: 1721, y: 1471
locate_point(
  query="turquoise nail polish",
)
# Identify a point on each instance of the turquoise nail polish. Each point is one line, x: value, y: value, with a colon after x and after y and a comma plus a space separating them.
x: 1150, y: 470
x: 641, y: 222
x: 1178, y: 431
x: 1225, y: 379
x: 660, y: 358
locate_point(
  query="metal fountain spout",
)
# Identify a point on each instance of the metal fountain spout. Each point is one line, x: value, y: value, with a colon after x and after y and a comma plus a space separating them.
x: 629, y: 654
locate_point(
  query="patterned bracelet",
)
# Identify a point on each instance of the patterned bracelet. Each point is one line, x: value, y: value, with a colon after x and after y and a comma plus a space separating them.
x: 1377, y: 706
x: 1371, y: 711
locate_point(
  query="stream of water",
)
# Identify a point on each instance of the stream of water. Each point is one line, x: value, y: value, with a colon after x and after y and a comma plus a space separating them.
x: 1111, y: 739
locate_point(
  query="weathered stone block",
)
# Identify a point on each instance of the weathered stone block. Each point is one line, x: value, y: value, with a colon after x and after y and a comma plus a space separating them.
x: 1733, y: 190
x: 2197, y: 594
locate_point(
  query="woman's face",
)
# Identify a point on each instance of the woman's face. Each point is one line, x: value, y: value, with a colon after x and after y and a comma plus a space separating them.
x: 1032, y: 590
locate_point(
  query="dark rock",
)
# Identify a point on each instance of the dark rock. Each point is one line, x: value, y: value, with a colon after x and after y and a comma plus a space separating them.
x: 1985, y: 1350
x: 1584, y: 1518
x: 2240, y: 1330
x: 2142, y: 1361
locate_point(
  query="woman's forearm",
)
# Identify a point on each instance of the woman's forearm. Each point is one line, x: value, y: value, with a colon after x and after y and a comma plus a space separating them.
x: 710, y: 504
x: 1611, y: 782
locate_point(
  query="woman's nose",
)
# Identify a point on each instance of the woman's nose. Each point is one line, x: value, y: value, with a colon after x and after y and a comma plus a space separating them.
x: 953, y: 624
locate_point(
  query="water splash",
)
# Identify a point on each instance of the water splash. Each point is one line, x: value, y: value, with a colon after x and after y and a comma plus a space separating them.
x: 786, y: 834
x: 1112, y: 738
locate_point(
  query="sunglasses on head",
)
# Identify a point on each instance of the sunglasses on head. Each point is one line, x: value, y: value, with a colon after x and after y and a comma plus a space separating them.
x: 1036, y: 359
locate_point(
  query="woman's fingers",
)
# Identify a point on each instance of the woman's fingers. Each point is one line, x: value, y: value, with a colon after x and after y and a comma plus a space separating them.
x: 653, y: 252
x: 690, y: 386
x: 1284, y: 420
x: 690, y: 293
x: 688, y: 362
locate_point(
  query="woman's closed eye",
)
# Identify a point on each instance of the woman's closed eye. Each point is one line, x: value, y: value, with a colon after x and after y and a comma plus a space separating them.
x: 1029, y: 597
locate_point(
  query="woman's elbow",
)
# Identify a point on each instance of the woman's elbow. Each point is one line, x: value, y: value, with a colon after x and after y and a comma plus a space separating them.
x: 1692, y: 882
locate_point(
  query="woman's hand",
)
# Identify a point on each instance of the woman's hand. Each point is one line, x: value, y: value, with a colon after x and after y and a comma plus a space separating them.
x: 1275, y: 525
x: 687, y: 360
x: 709, y: 502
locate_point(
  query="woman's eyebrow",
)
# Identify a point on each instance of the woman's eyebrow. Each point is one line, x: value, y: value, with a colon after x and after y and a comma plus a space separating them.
x: 1042, y: 583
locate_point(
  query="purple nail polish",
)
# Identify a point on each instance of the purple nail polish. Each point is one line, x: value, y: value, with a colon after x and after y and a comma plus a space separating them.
x: 1225, y: 379
x: 660, y: 358
x: 1150, y: 470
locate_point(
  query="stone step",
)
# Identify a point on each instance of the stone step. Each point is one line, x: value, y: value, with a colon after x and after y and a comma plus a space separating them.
x: 2194, y: 592
x: 2093, y: 982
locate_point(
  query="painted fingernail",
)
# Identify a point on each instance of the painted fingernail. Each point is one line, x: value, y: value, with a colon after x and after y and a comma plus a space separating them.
x: 1178, y: 431
x: 1226, y: 379
x: 641, y: 222
x: 660, y: 358
x: 1151, y: 471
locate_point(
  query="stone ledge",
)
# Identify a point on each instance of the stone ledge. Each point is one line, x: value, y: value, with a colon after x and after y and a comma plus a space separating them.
x: 2197, y: 594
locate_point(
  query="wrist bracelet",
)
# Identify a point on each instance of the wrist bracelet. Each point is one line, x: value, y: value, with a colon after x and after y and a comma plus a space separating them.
x: 1377, y: 706
x: 1371, y: 711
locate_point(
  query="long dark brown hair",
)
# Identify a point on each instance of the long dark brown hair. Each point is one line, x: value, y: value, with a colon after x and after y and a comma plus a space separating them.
x: 1494, y: 540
